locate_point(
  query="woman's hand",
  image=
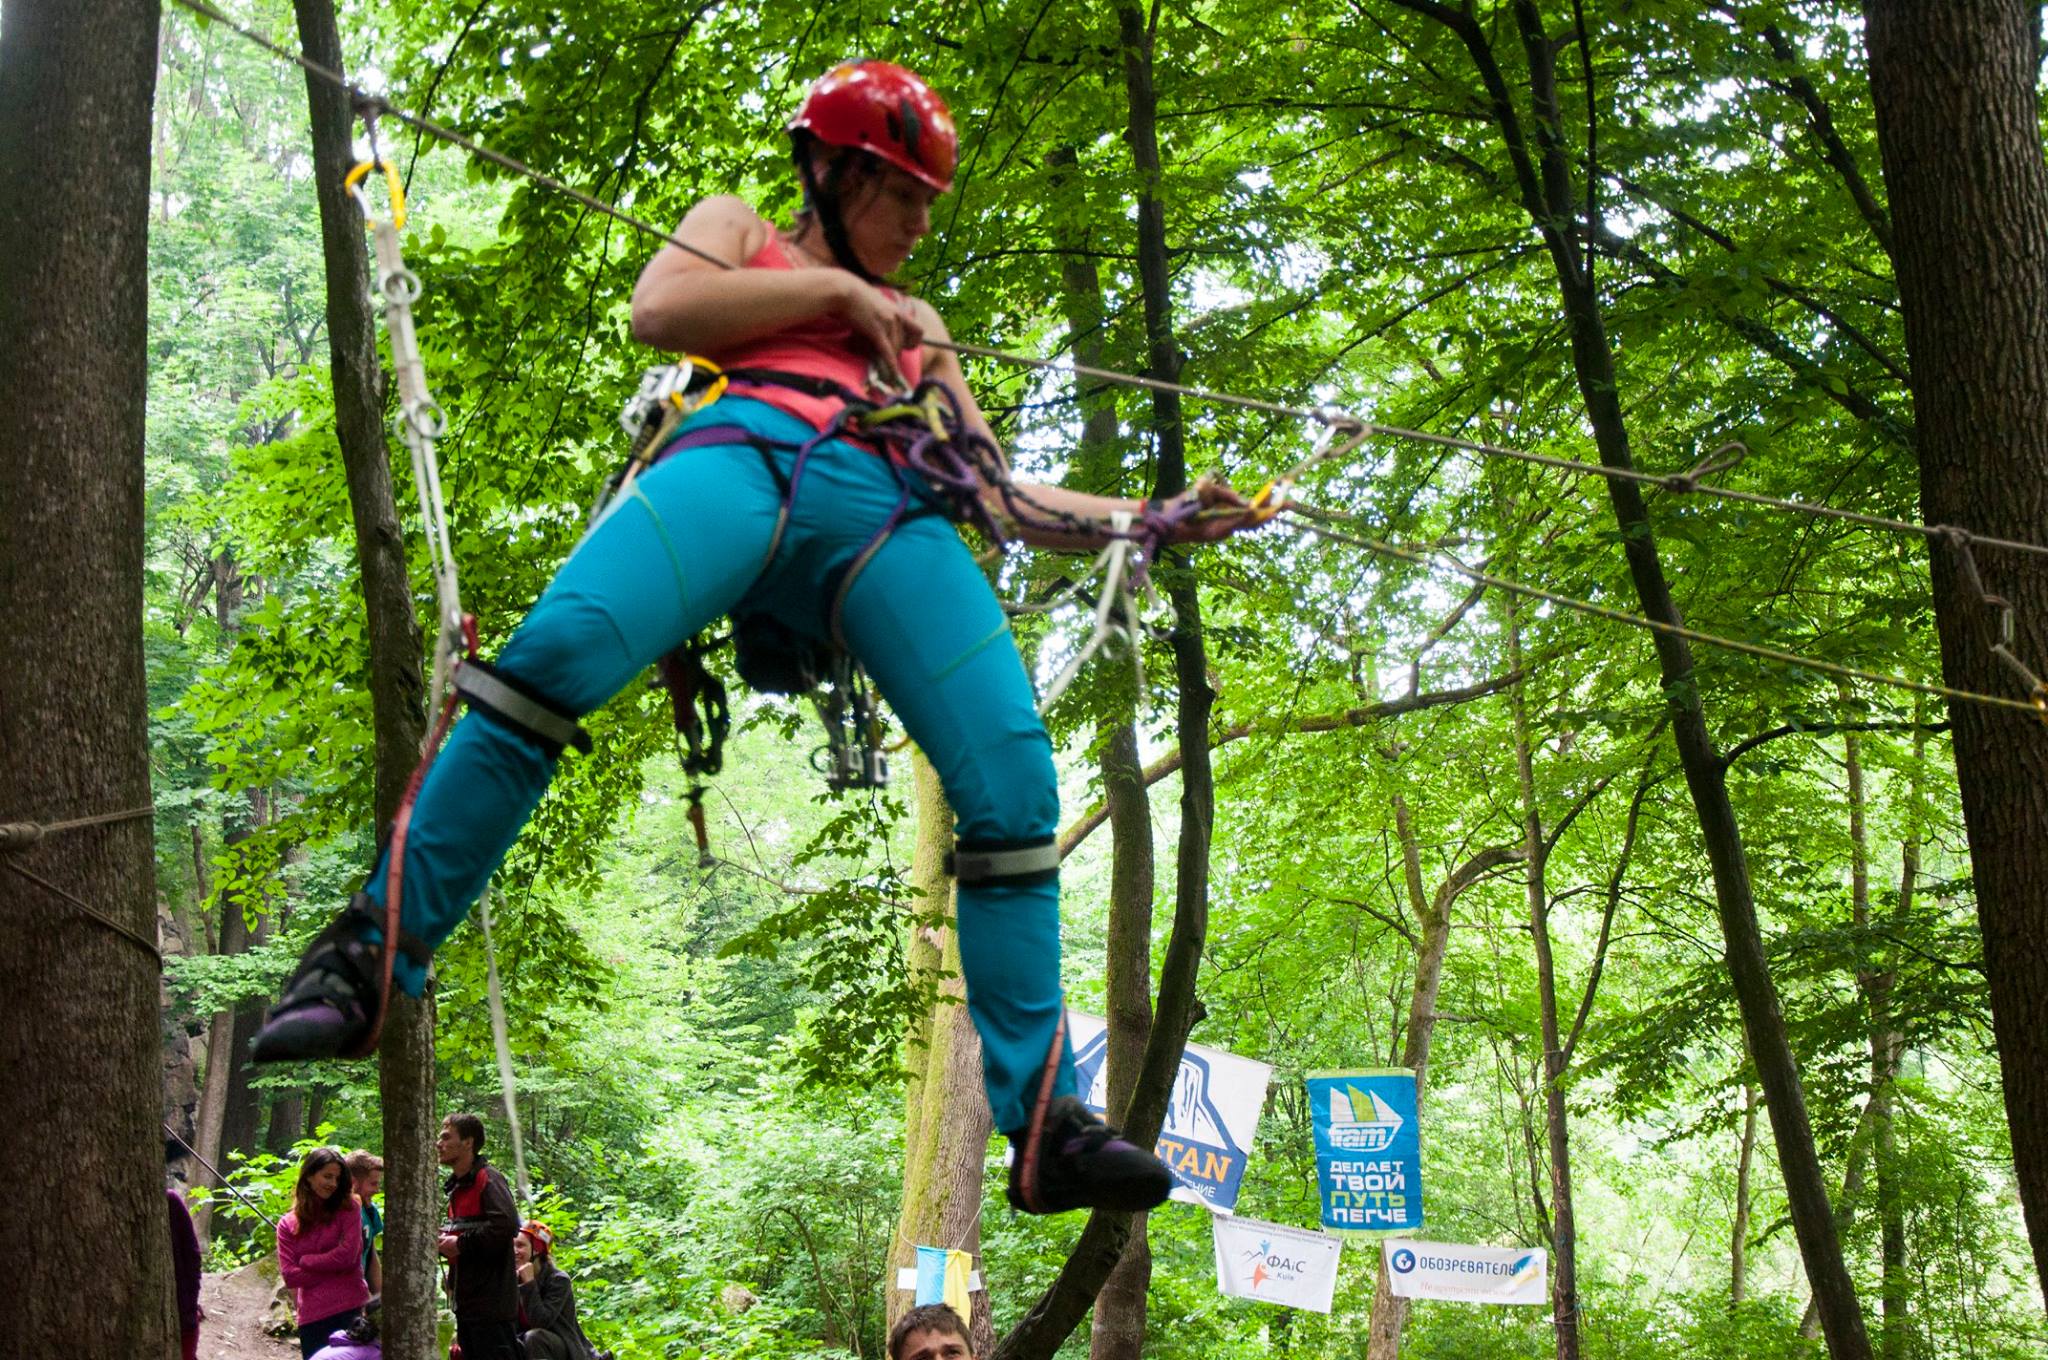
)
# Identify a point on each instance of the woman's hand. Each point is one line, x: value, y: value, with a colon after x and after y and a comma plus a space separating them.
x: 887, y: 325
x: 1210, y: 511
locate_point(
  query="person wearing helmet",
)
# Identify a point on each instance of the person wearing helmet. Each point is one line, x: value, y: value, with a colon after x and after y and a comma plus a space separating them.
x: 547, y: 1301
x: 802, y: 322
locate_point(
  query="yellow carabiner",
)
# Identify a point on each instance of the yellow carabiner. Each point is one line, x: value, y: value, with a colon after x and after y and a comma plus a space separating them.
x: 1269, y: 502
x: 353, y: 182
x: 712, y: 390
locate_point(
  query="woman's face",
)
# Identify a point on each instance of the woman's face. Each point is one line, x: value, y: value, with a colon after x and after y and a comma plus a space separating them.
x: 324, y: 1180
x: 886, y: 216
x: 522, y: 1249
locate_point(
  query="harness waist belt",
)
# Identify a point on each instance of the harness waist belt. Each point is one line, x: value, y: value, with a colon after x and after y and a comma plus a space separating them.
x: 485, y: 689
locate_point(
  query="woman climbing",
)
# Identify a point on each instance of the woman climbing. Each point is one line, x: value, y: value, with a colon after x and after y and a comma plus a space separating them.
x: 320, y: 1249
x: 768, y: 507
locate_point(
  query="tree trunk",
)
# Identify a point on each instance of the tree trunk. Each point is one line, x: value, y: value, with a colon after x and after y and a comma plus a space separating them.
x: 1119, y: 1330
x: 241, y: 1106
x: 1954, y: 88
x: 1564, y: 1240
x: 1738, y: 1235
x: 1545, y: 185
x: 1389, y: 1315
x: 946, y: 1123
x: 79, y: 1107
x: 1060, y: 1309
x: 406, y: 1056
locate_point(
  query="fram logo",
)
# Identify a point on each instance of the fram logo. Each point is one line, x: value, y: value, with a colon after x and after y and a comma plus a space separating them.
x: 1195, y: 1144
x: 1360, y: 1121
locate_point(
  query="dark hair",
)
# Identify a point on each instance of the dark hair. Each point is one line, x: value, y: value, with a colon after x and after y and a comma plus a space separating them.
x: 468, y: 1128
x: 926, y: 1317
x: 311, y: 1210
x: 829, y: 174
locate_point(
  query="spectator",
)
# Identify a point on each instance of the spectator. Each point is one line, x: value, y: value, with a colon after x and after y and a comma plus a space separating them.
x: 320, y: 1250
x: 184, y: 1260
x: 366, y: 1177
x: 358, y: 1341
x: 547, y: 1301
x: 930, y: 1331
x: 476, y: 1242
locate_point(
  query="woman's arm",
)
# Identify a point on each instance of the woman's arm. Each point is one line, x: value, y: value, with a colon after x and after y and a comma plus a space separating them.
x: 684, y: 303
x: 1213, y: 496
x: 289, y: 1267
x: 347, y: 1252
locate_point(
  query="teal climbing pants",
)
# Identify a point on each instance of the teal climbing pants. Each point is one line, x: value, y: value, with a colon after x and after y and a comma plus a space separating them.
x: 686, y: 544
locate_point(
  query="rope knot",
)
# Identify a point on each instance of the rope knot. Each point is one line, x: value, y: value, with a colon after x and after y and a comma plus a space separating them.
x: 15, y: 836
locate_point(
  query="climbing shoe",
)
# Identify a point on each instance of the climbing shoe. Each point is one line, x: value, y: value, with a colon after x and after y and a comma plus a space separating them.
x: 1072, y: 1160
x: 332, y: 1007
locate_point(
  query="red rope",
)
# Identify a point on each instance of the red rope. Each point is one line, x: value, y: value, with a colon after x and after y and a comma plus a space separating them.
x: 1029, y: 1179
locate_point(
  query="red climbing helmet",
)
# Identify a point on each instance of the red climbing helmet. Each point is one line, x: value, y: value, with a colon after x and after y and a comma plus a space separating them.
x: 882, y: 108
x: 538, y: 1235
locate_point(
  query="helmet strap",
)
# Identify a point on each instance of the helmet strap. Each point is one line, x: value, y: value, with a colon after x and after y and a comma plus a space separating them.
x: 821, y: 198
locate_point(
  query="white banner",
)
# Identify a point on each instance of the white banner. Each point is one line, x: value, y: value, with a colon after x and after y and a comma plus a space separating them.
x: 1441, y: 1270
x: 1210, y: 1120
x: 1273, y: 1263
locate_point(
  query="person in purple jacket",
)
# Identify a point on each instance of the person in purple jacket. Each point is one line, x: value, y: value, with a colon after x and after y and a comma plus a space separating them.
x: 184, y: 1259
x: 320, y: 1250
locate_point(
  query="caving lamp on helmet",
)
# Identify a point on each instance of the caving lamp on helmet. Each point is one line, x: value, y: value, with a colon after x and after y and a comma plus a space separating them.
x: 884, y: 110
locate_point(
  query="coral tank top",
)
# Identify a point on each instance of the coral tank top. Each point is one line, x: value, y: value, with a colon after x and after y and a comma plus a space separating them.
x: 823, y: 347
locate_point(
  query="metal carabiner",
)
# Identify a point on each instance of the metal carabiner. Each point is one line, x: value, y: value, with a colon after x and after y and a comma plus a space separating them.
x: 353, y: 182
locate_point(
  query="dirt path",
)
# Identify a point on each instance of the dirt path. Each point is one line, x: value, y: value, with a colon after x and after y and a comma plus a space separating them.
x: 236, y: 1307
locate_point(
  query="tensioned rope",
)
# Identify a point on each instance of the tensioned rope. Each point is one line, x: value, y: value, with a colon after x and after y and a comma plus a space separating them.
x: 16, y: 837
x: 1682, y: 482
x: 1416, y: 557
x: 1336, y: 422
x: 226, y: 1184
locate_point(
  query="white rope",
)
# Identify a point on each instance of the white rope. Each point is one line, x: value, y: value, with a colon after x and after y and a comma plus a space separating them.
x: 501, y: 1039
x: 419, y: 424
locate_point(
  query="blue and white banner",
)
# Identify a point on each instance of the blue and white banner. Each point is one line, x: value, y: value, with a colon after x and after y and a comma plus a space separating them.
x: 1443, y: 1270
x: 1273, y: 1263
x: 1210, y: 1120
x: 1368, y: 1149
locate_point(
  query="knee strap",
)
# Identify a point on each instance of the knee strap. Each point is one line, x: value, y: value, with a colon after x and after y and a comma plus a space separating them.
x: 519, y: 708
x: 1014, y: 864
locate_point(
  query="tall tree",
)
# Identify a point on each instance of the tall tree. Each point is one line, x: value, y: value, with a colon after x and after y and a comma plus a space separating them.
x: 946, y: 1124
x: 1955, y: 87
x: 79, y: 1108
x: 1542, y: 164
x: 406, y: 1057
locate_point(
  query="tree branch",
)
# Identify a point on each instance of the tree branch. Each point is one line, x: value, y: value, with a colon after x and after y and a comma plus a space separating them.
x: 1080, y: 829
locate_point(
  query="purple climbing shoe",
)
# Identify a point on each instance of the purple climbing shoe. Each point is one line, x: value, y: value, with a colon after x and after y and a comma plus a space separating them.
x: 330, y: 1007
x: 1079, y: 1162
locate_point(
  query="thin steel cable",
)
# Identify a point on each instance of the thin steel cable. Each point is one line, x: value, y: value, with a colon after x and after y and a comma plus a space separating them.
x: 1683, y: 483
x: 226, y: 1184
x: 1599, y: 611
x: 89, y: 909
x: 19, y: 836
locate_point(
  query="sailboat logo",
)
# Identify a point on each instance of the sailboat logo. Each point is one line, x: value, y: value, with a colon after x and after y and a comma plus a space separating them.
x: 1373, y: 1133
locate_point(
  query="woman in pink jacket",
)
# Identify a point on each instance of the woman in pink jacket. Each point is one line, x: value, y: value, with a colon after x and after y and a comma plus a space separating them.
x: 320, y: 1250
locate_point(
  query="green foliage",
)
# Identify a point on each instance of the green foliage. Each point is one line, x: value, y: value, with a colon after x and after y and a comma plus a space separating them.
x: 709, y: 1060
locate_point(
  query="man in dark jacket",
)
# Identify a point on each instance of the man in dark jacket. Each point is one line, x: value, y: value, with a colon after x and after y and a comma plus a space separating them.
x: 476, y: 1242
x: 547, y: 1301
